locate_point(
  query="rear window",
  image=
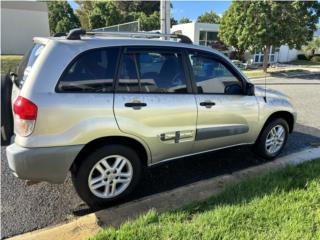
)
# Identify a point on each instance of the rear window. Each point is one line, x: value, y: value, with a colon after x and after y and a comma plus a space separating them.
x: 27, y: 63
x: 92, y: 71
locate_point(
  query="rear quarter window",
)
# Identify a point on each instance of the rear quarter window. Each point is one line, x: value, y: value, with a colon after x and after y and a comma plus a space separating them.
x: 27, y: 63
x: 91, y: 71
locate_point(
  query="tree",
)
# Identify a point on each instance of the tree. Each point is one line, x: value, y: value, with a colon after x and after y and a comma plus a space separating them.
x: 147, y: 7
x: 104, y: 13
x: 262, y: 24
x: 209, y: 17
x: 83, y: 12
x: 147, y: 23
x: 173, y: 21
x: 231, y: 29
x: 185, y: 20
x: 312, y: 46
x: 61, y: 17
x: 97, y: 14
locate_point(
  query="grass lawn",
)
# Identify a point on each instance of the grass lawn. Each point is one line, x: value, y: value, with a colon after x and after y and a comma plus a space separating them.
x: 9, y: 62
x: 255, y: 73
x: 280, y: 205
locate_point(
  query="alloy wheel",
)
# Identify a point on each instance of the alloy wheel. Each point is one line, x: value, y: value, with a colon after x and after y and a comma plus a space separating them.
x: 275, y: 139
x: 110, y: 176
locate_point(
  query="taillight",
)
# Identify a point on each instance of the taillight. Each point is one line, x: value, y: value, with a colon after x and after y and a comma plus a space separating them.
x: 25, y: 115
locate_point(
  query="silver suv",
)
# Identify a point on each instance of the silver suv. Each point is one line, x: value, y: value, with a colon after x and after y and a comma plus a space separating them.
x: 105, y: 107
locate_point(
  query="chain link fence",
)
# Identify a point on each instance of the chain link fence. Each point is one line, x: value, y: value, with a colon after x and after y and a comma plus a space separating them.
x: 123, y: 27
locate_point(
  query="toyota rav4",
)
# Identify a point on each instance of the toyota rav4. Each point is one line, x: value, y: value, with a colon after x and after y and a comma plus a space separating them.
x: 105, y: 105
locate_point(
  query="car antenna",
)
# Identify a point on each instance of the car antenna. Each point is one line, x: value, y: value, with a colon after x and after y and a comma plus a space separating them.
x: 265, y: 87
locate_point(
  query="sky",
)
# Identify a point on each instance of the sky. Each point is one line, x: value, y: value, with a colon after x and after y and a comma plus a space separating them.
x: 193, y: 9
x: 190, y: 9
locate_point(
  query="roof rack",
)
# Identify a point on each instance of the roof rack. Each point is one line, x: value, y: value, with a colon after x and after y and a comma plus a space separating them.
x: 75, y: 34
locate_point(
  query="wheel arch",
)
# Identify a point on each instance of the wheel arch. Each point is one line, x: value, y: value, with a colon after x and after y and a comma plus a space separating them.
x: 288, y: 116
x: 140, y: 148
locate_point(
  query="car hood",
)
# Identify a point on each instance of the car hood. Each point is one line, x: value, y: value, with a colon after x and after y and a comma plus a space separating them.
x: 261, y: 92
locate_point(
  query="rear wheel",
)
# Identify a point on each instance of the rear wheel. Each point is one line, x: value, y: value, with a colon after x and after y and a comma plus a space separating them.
x: 272, y: 139
x: 110, y: 173
x: 6, y: 110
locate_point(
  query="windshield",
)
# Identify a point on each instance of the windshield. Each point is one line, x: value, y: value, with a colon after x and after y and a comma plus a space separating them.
x: 27, y: 62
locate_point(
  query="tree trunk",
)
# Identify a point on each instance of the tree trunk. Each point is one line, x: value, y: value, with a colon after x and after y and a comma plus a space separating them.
x: 265, y: 58
x: 313, y: 51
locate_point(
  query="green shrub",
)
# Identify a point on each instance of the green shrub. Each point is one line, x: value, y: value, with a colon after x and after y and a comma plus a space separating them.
x: 302, y: 57
x: 315, y: 59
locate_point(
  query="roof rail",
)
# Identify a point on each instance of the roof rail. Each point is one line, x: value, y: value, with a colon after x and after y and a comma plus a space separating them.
x: 76, y: 33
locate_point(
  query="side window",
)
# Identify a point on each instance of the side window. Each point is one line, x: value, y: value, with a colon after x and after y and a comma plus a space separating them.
x: 128, y: 78
x: 93, y: 71
x: 152, y: 71
x: 211, y: 76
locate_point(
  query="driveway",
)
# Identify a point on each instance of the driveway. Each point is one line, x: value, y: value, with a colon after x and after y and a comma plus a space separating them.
x: 27, y: 208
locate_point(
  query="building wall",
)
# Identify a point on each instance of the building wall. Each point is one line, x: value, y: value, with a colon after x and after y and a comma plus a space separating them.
x: 187, y: 29
x: 192, y: 30
x: 20, y: 22
x: 286, y: 54
x: 204, y: 27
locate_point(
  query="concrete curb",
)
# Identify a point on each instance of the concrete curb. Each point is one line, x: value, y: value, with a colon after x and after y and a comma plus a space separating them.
x: 90, y: 224
x: 285, y: 76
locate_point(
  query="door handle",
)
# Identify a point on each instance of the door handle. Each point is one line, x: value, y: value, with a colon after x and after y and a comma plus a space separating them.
x: 207, y: 104
x: 135, y: 104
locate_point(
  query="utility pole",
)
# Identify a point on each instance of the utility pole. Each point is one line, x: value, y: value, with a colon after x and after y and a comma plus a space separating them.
x: 165, y: 16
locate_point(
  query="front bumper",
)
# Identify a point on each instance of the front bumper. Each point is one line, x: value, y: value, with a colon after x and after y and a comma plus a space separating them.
x: 49, y: 164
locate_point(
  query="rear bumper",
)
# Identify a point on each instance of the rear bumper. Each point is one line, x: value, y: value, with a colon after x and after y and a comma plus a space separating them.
x: 49, y: 164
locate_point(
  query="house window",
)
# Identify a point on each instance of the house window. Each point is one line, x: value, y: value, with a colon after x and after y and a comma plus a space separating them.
x: 273, y: 55
x: 207, y: 38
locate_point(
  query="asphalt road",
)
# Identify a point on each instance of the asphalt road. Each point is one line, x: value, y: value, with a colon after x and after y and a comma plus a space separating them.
x: 25, y: 208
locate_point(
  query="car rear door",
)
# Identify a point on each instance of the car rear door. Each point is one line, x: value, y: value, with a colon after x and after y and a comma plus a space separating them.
x: 154, y: 100
x: 226, y: 115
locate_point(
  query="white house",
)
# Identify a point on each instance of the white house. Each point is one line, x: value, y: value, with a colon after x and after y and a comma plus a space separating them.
x: 206, y: 33
x: 200, y: 33
x: 20, y: 22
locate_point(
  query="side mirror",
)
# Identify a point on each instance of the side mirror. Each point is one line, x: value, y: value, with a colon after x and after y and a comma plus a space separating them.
x: 233, y: 89
x: 249, y: 89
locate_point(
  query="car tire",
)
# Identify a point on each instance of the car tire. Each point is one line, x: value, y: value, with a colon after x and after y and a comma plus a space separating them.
x: 93, y: 168
x: 6, y: 110
x: 270, y: 144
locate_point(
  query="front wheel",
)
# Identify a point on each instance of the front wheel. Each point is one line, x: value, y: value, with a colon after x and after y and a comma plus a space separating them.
x: 272, y: 139
x: 107, y: 175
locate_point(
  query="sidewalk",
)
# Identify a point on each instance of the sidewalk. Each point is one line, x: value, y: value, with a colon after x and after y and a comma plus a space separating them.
x: 289, y: 71
x: 291, y: 77
x: 89, y: 225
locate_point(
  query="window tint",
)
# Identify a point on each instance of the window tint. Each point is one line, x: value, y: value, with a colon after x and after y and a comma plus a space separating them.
x: 128, y: 79
x: 152, y: 72
x: 212, y: 76
x: 93, y: 71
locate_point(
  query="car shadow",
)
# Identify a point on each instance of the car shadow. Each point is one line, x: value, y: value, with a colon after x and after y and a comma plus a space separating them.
x: 303, y: 73
x: 173, y: 174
